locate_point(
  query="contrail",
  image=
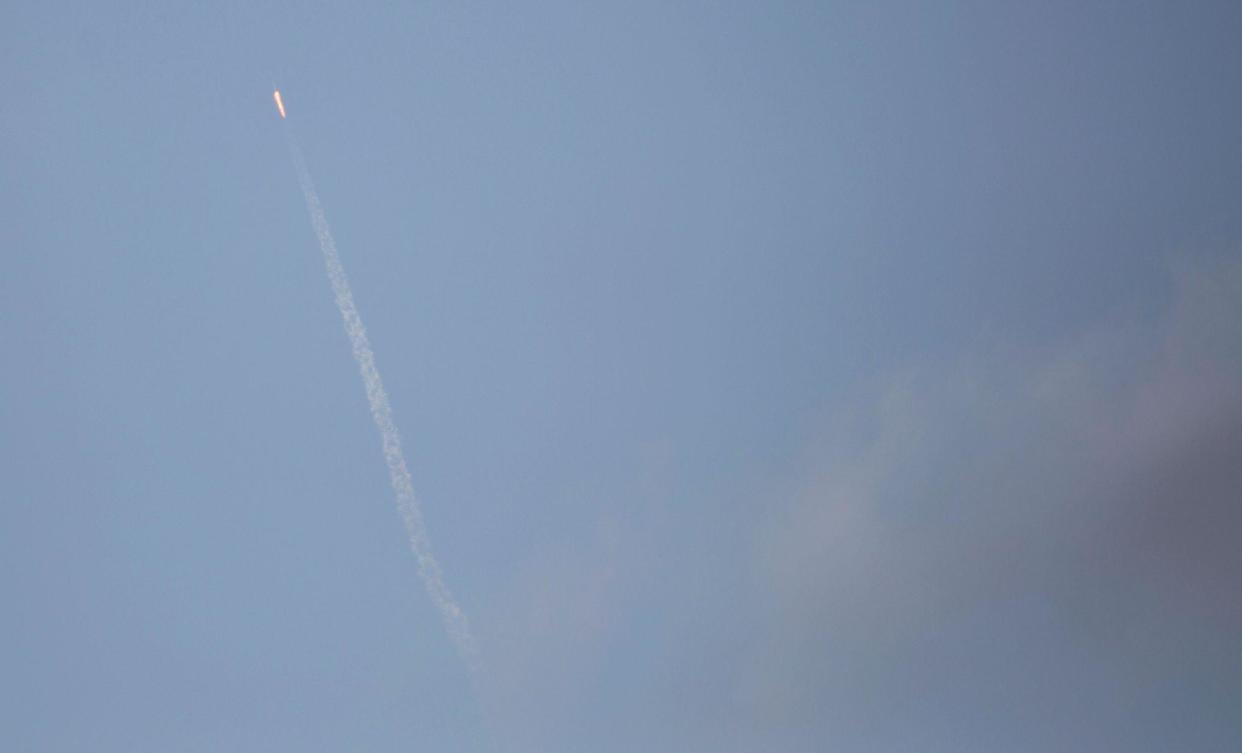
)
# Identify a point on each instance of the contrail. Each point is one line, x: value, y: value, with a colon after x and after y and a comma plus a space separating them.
x: 428, y: 569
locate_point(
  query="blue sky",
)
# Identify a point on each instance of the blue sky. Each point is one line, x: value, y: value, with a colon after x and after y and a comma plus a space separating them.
x: 797, y: 376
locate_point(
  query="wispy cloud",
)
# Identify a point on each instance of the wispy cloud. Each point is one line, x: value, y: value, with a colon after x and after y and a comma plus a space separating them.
x: 1090, y: 484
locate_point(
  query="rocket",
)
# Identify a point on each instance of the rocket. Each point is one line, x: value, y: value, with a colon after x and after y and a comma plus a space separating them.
x: 279, y: 105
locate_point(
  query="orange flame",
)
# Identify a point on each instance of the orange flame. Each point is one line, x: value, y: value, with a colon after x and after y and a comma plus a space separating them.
x: 279, y: 105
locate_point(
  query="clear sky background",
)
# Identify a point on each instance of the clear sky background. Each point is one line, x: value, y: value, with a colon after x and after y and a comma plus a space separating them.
x: 774, y: 376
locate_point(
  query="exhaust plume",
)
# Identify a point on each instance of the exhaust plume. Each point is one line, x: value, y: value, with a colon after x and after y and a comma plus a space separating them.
x: 407, y: 504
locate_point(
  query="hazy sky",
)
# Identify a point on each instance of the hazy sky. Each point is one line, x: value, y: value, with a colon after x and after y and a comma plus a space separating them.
x: 774, y: 376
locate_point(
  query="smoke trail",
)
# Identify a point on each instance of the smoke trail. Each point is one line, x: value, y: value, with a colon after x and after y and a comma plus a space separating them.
x: 428, y: 569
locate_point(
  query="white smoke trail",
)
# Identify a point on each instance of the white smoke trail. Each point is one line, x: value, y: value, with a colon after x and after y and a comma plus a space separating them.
x: 428, y: 569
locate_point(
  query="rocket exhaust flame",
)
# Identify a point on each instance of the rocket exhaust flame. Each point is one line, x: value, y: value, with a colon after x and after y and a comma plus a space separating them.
x: 279, y: 105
